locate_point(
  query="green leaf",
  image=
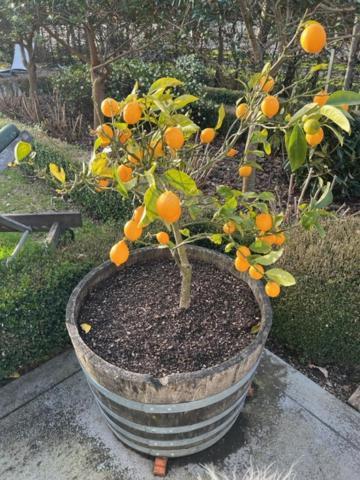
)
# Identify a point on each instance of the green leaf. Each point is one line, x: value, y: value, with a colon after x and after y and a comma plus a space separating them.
x: 255, y: 328
x: 307, y: 109
x: 185, y: 232
x: 267, y: 148
x: 326, y: 198
x: 337, y: 116
x: 183, y: 100
x: 150, y: 198
x: 297, y: 148
x: 57, y: 172
x: 97, y: 144
x: 260, y: 247
x: 280, y: 276
x: 320, y: 66
x: 164, y: 82
x: 337, y: 134
x: 267, y: 197
x: 216, y: 238
x: 229, y: 247
x: 22, y: 150
x: 270, y: 258
x: 181, y: 181
x: 342, y: 97
x: 221, y: 116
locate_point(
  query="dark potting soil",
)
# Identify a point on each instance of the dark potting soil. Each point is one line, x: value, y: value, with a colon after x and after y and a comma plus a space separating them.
x: 137, y: 325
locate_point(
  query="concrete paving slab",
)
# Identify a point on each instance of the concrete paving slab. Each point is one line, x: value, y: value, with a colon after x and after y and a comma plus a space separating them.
x: 58, y: 433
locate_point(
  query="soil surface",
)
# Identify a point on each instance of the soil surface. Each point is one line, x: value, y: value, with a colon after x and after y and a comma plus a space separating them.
x: 137, y: 325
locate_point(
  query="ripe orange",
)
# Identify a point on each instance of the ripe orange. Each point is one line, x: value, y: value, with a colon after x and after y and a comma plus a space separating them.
x: 270, y: 106
x: 124, y: 135
x: 269, y: 239
x: 241, y: 264
x: 279, y: 238
x: 119, y: 253
x: 242, y: 110
x: 156, y: 147
x: 102, y: 184
x: 321, y: 98
x: 132, y: 230
x: 245, y: 171
x: 168, y: 207
x: 138, y: 213
x: 264, y: 222
x: 345, y: 107
x: 132, y: 112
x: 316, y: 138
x: 124, y: 173
x: 229, y: 227
x: 174, y: 137
x: 110, y: 107
x: 256, y: 271
x: 163, y: 238
x: 243, y: 251
x: 313, y: 38
x: 272, y: 289
x: 266, y: 83
x: 207, y: 135
x: 105, y: 133
x: 231, y: 153
x: 136, y: 156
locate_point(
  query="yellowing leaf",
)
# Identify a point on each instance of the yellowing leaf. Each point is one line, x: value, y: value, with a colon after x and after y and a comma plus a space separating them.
x: 14, y: 375
x: 99, y: 166
x: 221, y: 116
x: 22, y: 150
x: 255, y: 328
x: 337, y: 116
x: 85, y: 327
x: 57, y: 172
x: 164, y: 82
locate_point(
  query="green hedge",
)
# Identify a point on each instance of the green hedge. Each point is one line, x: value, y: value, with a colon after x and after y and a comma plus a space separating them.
x: 34, y: 290
x: 318, y: 319
x: 223, y: 95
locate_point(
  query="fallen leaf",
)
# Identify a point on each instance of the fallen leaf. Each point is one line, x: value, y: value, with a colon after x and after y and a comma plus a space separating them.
x: 321, y: 369
x: 14, y: 375
x: 255, y: 328
x: 85, y: 327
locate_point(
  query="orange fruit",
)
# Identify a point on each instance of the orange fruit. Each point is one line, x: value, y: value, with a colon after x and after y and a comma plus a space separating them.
x: 124, y: 173
x: 345, y: 107
x: 279, y: 238
x: 242, y: 110
x: 207, y: 135
x: 157, y: 148
x: 245, y: 170
x: 163, y: 238
x: 138, y: 213
x: 316, y: 138
x: 136, y: 156
x: 270, y: 106
x: 241, y: 264
x: 243, y: 251
x: 174, y: 138
x: 229, y: 227
x: 313, y: 38
x: 266, y: 83
x: 105, y: 133
x: 119, y: 253
x: 110, y: 107
x: 269, y: 239
x: 321, y: 98
x: 231, y: 153
x: 272, y: 289
x: 256, y: 271
x: 102, y: 184
x: 124, y: 135
x: 264, y: 222
x: 168, y: 207
x: 132, y: 112
x: 132, y: 230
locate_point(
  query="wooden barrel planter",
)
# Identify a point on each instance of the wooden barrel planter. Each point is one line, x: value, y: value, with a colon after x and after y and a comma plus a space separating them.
x: 179, y: 414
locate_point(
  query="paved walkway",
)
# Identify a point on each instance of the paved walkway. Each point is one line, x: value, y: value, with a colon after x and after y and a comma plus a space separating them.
x: 50, y: 429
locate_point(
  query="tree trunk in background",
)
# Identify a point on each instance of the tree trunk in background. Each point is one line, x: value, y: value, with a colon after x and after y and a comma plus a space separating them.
x: 30, y: 64
x: 255, y: 45
x: 353, y: 54
x: 220, y: 56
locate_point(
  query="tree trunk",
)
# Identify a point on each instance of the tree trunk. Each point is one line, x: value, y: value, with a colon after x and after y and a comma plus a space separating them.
x: 185, y: 269
x: 30, y: 64
x: 352, y: 59
x: 256, y: 48
x: 220, y: 56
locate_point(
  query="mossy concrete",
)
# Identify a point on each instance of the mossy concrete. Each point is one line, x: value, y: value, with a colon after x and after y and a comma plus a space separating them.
x: 50, y: 428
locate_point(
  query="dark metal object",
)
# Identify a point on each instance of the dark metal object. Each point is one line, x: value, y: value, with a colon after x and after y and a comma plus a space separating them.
x: 179, y: 414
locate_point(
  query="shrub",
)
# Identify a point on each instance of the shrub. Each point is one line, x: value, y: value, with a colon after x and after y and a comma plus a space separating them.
x: 318, y: 319
x: 223, y: 95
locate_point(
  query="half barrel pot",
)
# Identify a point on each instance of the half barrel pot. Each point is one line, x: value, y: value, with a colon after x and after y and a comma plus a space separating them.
x: 179, y: 414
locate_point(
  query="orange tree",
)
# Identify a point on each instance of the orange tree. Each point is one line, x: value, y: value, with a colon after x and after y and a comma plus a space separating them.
x: 149, y: 150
